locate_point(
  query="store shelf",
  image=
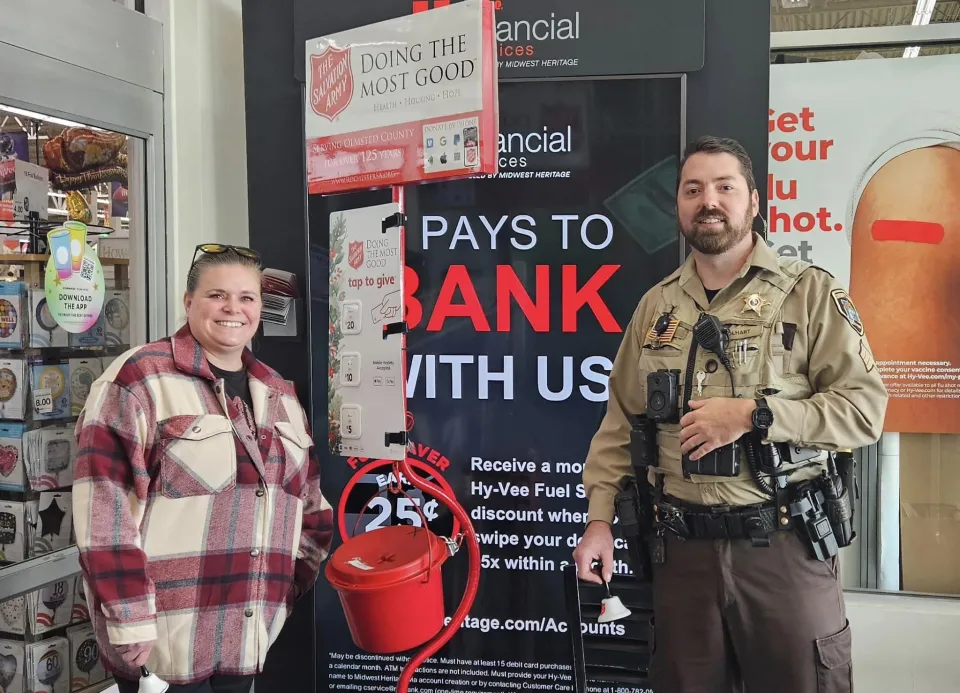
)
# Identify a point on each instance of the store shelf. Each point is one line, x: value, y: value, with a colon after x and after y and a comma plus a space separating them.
x: 24, y: 258
x: 98, y: 687
x: 33, y: 573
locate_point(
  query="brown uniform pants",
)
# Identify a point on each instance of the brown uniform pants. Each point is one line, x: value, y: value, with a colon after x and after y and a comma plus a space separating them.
x: 730, y: 617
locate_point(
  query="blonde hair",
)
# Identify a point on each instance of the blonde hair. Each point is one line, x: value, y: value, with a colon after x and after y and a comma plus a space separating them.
x: 226, y: 258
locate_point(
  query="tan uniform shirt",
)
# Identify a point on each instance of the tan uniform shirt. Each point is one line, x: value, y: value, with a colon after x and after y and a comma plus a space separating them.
x: 795, y: 338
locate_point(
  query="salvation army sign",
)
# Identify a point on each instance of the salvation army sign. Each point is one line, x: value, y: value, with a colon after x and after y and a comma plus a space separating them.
x: 407, y: 100
x: 332, y: 82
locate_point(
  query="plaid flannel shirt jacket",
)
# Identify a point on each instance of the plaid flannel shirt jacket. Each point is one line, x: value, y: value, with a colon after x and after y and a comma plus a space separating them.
x: 193, y: 530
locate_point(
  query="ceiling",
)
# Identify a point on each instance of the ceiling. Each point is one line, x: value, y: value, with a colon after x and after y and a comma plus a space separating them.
x: 804, y: 15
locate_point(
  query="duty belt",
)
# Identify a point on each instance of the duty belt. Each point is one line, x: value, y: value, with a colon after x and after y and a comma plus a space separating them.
x: 687, y: 521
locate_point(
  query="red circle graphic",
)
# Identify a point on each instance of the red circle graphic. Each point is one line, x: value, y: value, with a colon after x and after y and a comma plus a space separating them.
x: 416, y: 465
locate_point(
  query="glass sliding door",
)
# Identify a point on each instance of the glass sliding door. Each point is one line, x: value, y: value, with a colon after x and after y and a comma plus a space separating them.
x: 82, y: 204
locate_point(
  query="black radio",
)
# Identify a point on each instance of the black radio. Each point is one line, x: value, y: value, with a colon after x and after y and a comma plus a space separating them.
x: 723, y: 461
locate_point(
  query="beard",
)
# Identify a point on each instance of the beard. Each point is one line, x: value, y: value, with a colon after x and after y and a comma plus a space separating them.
x: 716, y: 242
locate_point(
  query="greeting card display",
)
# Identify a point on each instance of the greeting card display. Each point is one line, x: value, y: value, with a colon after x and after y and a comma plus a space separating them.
x: 49, y: 522
x: 116, y: 317
x: 83, y: 372
x: 80, y: 612
x: 13, y: 618
x: 51, y: 606
x: 12, y: 468
x: 13, y: 531
x: 86, y: 669
x: 12, y: 654
x: 12, y: 302
x: 48, y: 666
x: 13, y: 390
x: 44, y: 330
x: 94, y: 336
x: 50, y: 379
x: 49, y: 454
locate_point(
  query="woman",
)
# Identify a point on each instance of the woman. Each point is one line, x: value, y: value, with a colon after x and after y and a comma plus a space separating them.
x: 197, y: 503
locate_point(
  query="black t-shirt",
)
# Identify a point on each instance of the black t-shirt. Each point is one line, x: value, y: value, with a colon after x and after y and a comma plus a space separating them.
x: 711, y: 293
x: 236, y: 384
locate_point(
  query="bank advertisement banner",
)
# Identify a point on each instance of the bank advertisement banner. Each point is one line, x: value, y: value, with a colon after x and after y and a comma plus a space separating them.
x: 518, y: 288
x: 864, y: 181
x: 405, y: 100
x: 558, y: 39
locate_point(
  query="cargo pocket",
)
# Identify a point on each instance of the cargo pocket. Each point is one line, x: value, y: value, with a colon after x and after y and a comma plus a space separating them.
x: 834, y: 662
x: 652, y: 645
x: 198, y: 455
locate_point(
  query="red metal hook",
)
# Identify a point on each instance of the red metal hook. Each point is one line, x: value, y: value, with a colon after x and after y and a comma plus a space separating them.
x: 473, y: 576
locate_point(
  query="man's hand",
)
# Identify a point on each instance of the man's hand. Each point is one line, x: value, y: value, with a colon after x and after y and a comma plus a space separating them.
x: 135, y: 654
x: 713, y: 423
x: 596, y: 545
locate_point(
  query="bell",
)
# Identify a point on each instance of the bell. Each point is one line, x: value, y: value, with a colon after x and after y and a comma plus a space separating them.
x: 611, y: 609
x: 151, y: 683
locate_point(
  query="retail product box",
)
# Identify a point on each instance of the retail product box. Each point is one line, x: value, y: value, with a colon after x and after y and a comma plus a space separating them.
x: 83, y: 373
x: 81, y: 611
x: 13, y: 531
x: 50, y: 525
x: 12, y: 668
x: 93, y: 337
x: 49, y: 454
x: 116, y: 314
x: 50, y: 607
x: 86, y: 669
x: 13, y: 389
x: 44, y: 330
x: 13, y: 301
x: 50, y: 380
x: 930, y: 512
x: 12, y: 467
x: 13, y: 615
x: 48, y: 666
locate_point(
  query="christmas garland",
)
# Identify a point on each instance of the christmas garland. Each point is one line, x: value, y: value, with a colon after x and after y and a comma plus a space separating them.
x: 338, y: 232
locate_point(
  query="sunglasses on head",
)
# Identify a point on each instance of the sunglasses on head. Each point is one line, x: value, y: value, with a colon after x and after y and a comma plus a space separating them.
x: 217, y: 248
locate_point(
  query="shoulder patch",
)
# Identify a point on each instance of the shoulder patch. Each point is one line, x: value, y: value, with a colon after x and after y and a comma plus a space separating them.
x: 867, y: 357
x: 844, y: 306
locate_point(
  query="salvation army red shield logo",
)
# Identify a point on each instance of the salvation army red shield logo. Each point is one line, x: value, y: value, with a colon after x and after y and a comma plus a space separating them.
x: 355, y: 254
x: 331, y: 82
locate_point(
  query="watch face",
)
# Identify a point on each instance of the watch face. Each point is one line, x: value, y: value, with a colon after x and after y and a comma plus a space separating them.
x: 763, y: 418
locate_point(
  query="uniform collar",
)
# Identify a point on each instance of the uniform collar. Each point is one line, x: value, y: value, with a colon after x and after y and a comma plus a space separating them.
x: 762, y: 258
x: 189, y: 358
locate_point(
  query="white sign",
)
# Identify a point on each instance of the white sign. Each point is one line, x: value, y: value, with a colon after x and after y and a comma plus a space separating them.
x: 864, y: 181
x: 33, y: 183
x: 43, y: 400
x: 821, y: 161
x: 365, y: 377
x: 405, y: 100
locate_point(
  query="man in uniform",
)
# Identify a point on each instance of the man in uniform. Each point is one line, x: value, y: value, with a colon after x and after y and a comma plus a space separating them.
x: 741, y: 599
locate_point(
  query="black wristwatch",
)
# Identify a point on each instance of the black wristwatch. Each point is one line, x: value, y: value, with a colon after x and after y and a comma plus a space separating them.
x: 762, y: 416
